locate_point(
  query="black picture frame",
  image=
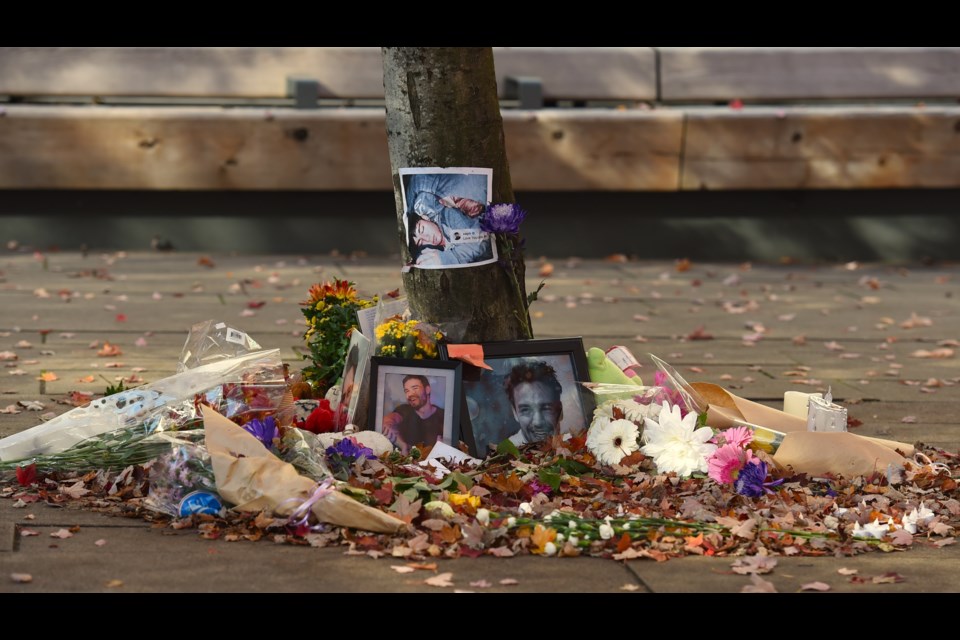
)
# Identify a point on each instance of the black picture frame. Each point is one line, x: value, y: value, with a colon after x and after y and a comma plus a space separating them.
x: 486, y: 415
x: 386, y: 391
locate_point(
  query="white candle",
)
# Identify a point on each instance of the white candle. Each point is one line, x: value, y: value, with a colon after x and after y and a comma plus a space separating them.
x: 826, y: 416
x: 795, y: 403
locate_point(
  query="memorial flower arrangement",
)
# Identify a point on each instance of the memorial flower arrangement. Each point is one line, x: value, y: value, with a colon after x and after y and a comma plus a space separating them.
x: 330, y: 313
x: 411, y: 339
x: 648, y: 479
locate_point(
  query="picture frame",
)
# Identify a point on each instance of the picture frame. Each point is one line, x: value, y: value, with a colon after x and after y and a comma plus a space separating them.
x: 488, y: 416
x: 354, y: 378
x: 398, y: 395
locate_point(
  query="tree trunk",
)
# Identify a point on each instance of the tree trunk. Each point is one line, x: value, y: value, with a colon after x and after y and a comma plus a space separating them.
x: 443, y: 111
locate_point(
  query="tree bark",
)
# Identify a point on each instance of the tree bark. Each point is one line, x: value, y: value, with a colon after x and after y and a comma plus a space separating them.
x: 443, y: 111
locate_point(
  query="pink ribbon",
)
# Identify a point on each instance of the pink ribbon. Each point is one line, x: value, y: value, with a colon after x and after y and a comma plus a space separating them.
x: 301, y: 515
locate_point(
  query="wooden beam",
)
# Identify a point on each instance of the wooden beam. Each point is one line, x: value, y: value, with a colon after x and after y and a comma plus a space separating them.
x: 594, y: 149
x: 796, y: 73
x: 99, y: 147
x: 597, y: 73
x: 822, y: 148
x: 45, y: 147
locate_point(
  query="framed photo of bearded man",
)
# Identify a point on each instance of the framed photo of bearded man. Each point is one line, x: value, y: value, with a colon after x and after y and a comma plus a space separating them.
x: 442, y: 212
x: 416, y: 402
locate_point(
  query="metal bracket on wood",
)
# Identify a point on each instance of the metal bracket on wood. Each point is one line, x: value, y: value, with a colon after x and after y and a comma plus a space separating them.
x: 527, y: 89
x: 304, y: 91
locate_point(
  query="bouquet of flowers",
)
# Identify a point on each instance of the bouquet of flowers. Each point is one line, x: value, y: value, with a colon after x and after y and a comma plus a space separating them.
x: 411, y: 339
x: 331, y: 315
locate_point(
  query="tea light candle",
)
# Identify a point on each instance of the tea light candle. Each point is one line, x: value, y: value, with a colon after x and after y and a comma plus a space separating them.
x: 826, y: 416
x: 795, y: 403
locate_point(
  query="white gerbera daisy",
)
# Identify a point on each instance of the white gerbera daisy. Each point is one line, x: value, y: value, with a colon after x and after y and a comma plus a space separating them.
x: 632, y: 410
x: 675, y: 444
x: 612, y: 440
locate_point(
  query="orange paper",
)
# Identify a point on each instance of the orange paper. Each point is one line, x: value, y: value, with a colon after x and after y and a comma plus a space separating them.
x: 469, y: 353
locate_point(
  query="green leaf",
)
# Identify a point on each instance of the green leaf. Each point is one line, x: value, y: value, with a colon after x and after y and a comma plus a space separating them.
x: 461, y: 478
x: 572, y: 467
x: 508, y: 447
x: 702, y: 419
x: 550, y: 477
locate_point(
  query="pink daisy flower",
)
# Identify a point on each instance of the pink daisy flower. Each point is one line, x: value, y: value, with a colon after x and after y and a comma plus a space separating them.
x: 739, y: 436
x: 725, y: 464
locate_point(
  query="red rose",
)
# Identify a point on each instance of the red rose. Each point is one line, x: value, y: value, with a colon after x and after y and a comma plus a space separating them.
x: 321, y: 419
x: 27, y: 475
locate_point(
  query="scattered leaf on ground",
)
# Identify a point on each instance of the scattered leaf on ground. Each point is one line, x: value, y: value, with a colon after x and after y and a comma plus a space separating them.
x: 21, y: 577
x: 399, y: 568
x: 113, y: 584
x: 758, y: 585
x: 629, y: 587
x: 508, y: 582
x: 754, y: 564
x: 888, y: 578
x: 63, y: 534
x: 815, y: 586
x: 440, y: 580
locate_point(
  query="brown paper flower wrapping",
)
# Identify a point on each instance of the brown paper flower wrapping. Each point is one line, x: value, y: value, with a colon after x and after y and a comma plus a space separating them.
x: 806, y: 451
x: 254, y: 479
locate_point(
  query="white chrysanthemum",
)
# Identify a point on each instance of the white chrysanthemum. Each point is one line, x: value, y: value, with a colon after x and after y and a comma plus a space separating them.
x: 915, y: 517
x: 675, y: 444
x: 632, y: 410
x: 612, y: 440
x: 872, y: 530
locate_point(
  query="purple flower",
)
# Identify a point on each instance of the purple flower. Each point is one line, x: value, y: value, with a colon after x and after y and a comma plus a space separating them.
x: 350, y: 448
x: 752, y: 480
x: 538, y: 487
x: 263, y: 430
x: 502, y: 218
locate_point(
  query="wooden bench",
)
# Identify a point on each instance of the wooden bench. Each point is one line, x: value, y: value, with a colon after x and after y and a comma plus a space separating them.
x: 646, y: 119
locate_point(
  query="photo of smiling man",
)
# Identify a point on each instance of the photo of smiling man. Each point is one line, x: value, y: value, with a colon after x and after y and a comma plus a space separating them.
x: 443, y: 209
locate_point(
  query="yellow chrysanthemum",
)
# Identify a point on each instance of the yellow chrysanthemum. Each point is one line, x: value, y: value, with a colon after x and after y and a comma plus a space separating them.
x: 458, y: 499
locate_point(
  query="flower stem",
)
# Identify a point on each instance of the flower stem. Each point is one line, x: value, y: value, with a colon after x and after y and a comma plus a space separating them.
x: 524, y: 316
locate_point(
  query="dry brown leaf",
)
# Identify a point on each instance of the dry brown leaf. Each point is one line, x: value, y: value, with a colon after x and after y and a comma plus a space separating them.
x: 21, y: 578
x: 113, y: 584
x: 47, y: 376
x: 847, y: 572
x: 629, y: 587
x: 942, y: 352
x: 63, y: 534
x: 916, y: 321
x: 758, y: 585
x: 440, y: 580
x: 815, y: 586
x: 888, y: 578
x: 754, y: 564
x: 399, y: 568
x: 76, y: 490
x: 508, y: 582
